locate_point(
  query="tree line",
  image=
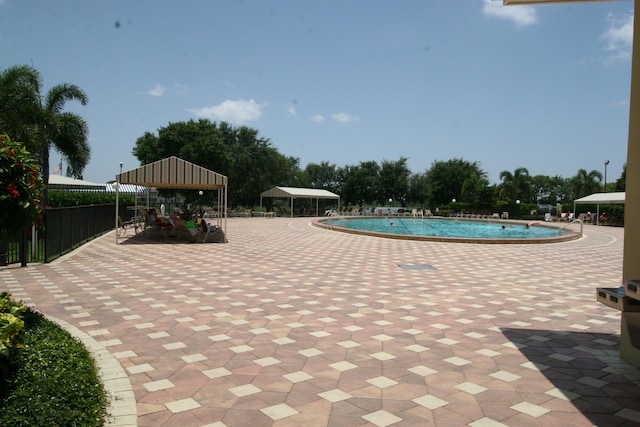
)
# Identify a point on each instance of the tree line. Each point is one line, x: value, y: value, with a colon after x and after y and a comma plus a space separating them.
x: 253, y: 164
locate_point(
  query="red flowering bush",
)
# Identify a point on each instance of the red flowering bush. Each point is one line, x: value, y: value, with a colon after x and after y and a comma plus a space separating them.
x: 21, y: 188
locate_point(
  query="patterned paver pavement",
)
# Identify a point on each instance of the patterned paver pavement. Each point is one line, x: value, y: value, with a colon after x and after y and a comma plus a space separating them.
x: 292, y: 325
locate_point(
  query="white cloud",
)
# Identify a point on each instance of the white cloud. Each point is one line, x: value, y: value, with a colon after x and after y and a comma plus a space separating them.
x: 522, y: 16
x: 292, y: 111
x: 157, y: 90
x: 318, y: 118
x: 344, y: 118
x: 619, y: 35
x: 236, y: 112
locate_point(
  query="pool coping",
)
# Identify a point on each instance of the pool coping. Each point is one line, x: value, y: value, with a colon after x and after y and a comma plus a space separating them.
x: 571, y: 235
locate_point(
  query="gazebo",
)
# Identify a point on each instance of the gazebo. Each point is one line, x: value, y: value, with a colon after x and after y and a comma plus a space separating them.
x: 293, y: 193
x: 175, y: 173
x: 598, y: 199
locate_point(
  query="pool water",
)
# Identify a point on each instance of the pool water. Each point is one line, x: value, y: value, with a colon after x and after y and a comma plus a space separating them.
x: 447, y: 228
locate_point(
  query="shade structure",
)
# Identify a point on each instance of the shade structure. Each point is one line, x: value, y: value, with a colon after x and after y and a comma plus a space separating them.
x: 293, y: 193
x: 602, y: 198
x: 173, y: 173
x: 125, y: 189
x: 65, y: 183
x: 598, y: 199
x: 177, y: 174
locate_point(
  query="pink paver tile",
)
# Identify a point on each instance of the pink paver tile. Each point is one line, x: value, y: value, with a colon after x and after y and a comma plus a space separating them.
x: 325, y: 328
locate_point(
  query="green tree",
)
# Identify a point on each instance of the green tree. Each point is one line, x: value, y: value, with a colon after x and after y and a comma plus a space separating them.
x: 475, y: 192
x: 550, y: 189
x: 622, y: 181
x: 361, y: 183
x: 323, y: 175
x: 250, y: 162
x: 516, y: 185
x: 394, y: 180
x: 446, y: 179
x: 41, y: 122
x: 19, y: 101
x: 419, y: 190
x: 585, y: 183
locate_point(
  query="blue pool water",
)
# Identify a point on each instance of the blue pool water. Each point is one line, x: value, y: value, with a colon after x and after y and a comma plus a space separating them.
x: 447, y: 228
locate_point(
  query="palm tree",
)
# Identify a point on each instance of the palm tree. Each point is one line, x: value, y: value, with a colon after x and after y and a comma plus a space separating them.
x: 516, y: 186
x: 585, y: 183
x: 41, y: 124
x: 19, y: 101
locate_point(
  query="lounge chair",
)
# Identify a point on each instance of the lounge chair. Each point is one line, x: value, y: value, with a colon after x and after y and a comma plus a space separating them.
x: 207, y: 230
x: 148, y: 224
x: 123, y: 226
x: 210, y: 213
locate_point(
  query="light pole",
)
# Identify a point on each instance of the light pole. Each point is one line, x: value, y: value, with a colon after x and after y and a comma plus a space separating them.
x: 606, y: 163
x: 117, y: 185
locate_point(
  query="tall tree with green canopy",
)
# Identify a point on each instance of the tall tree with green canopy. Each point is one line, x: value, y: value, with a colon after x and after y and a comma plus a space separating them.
x: 250, y: 162
x: 42, y: 124
x: 361, y: 183
x: 585, y: 183
x: 19, y: 101
x: 446, y: 179
x: 323, y: 175
x: 622, y: 181
x: 419, y: 190
x: 476, y: 192
x: 394, y: 180
x: 516, y: 185
x: 550, y: 189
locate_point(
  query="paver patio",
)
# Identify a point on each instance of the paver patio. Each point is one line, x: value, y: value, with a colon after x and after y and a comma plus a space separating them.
x: 292, y: 325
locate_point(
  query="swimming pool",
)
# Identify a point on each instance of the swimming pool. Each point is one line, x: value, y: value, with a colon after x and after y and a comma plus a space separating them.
x: 467, y: 231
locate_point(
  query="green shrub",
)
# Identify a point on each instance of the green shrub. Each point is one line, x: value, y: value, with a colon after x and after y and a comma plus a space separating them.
x: 52, y: 381
x: 59, y: 199
x: 11, y: 322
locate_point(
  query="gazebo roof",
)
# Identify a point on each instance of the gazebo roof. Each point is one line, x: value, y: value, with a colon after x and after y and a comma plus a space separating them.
x: 300, y: 193
x: 602, y: 198
x: 173, y: 172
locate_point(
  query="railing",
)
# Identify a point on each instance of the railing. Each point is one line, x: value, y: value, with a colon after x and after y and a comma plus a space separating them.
x: 65, y: 229
x: 337, y: 216
x: 573, y: 222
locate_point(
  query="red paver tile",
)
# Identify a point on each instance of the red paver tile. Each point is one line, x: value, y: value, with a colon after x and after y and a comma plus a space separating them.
x: 311, y: 299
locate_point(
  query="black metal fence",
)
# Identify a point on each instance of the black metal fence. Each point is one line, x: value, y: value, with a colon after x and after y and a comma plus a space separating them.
x: 65, y: 229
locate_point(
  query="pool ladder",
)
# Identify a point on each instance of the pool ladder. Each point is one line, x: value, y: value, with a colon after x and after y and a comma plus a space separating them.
x: 337, y: 216
x: 573, y: 222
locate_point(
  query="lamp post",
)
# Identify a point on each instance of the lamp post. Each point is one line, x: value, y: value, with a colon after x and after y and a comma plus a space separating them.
x: 117, y: 207
x: 606, y: 163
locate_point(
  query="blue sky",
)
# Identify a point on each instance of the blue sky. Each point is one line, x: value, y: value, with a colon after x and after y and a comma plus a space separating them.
x: 543, y: 87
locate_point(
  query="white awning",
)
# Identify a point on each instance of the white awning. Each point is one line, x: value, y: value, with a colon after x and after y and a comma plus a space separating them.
x: 299, y: 193
x: 602, y: 199
x: 59, y: 182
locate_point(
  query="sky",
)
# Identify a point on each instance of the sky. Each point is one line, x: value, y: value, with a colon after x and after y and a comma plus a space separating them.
x: 541, y: 87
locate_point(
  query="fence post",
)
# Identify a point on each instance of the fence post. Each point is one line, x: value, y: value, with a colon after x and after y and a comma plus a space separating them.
x: 23, y: 250
x: 4, y: 248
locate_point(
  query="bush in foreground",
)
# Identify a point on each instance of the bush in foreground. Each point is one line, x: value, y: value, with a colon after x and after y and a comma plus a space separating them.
x: 51, y: 380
